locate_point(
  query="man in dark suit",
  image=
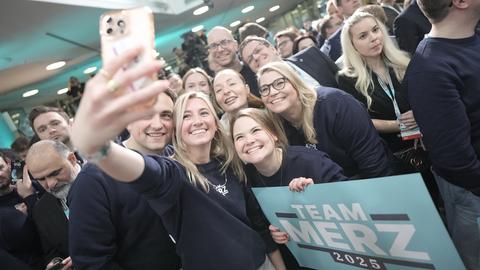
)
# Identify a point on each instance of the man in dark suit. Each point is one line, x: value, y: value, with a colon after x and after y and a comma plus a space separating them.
x: 312, y: 66
x: 332, y: 46
x: 410, y: 28
x: 55, y: 167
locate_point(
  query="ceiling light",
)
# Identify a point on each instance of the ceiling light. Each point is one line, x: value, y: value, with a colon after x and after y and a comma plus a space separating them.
x: 56, y: 65
x: 90, y: 70
x: 248, y: 9
x: 62, y: 91
x: 200, y: 10
x: 259, y: 20
x: 197, y: 28
x: 16, y: 115
x: 168, y: 68
x: 235, y: 23
x: 272, y: 9
x: 30, y: 93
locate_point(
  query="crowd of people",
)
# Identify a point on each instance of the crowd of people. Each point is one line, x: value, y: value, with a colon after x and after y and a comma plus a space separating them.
x: 361, y: 93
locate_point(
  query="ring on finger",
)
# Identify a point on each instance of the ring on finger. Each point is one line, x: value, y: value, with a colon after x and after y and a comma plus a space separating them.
x: 105, y: 74
x: 112, y: 86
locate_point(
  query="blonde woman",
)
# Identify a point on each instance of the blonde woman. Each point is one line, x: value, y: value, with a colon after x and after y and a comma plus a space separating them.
x: 326, y: 119
x: 261, y: 143
x: 373, y: 71
x: 199, y: 193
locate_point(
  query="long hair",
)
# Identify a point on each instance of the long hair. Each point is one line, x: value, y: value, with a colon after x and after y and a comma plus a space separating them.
x: 262, y: 117
x: 221, y: 147
x: 306, y: 95
x: 252, y: 100
x: 200, y: 71
x: 356, y: 66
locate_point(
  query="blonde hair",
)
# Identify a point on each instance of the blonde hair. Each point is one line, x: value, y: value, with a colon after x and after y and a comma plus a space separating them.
x: 306, y: 95
x: 354, y: 65
x: 221, y: 147
x: 271, y: 124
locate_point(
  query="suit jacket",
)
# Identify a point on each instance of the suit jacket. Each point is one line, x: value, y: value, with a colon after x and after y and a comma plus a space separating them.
x: 52, y: 226
x: 334, y: 42
x: 410, y: 27
x: 317, y: 65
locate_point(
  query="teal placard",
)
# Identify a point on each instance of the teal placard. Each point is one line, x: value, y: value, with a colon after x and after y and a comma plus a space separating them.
x: 381, y: 223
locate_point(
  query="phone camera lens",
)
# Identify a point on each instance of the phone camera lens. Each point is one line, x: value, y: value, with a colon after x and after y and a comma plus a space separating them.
x: 109, y: 30
x: 121, y: 23
x: 109, y: 20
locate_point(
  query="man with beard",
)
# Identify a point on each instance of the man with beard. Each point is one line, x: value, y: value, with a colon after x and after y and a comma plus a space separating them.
x: 50, y: 123
x: 223, y: 49
x: 55, y: 167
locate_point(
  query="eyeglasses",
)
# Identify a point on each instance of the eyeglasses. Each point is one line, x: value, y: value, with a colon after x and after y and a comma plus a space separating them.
x: 256, y: 51
x: 277, y: 84
x: 222, y: 43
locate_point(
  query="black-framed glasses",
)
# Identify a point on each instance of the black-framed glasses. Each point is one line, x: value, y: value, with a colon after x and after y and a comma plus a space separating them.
x: 222, y: 43
x: 277, y: 84
x: 255, y: 51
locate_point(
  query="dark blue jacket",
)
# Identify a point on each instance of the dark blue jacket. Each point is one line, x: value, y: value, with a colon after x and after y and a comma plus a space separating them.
x: 442, y: 84
x: 410, y: 27
x: 335, y: 45
x: 317, y: 65
x: 212, y: 231
x: 113, y: 227
x: 346, y: 133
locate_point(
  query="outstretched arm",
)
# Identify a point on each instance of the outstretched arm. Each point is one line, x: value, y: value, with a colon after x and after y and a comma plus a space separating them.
x: 103, y: 114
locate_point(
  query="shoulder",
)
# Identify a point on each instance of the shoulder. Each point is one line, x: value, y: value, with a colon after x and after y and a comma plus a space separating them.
x: 304, y: 154
x: 330, y: 95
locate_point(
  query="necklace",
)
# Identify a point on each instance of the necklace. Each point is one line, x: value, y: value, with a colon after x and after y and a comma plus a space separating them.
x: 221, y: 188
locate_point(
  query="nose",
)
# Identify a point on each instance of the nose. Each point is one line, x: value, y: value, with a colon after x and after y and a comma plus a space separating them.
x: 249, y: 139
x: 156, y: 122
x: 51, y: 183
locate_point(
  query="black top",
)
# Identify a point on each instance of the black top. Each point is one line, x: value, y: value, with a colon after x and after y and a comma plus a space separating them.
x: 114, y: 227
x: 443, y: 87
x: 19, y: 243
x: 381, y: 107
x: 298, y: 161
x: 251, y: 79
x: 212, y: 231
x: 345, y: 132
x: 410, y: 27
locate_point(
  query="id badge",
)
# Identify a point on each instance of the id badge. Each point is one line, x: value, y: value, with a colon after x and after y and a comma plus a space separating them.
x: 410, y: 134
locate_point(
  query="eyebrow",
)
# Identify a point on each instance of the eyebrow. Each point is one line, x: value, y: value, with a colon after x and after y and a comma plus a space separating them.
x: 48, y: 175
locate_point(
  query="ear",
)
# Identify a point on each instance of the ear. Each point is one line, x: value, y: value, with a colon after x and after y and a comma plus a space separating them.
x: 72, y: 158
x: 235, y: 45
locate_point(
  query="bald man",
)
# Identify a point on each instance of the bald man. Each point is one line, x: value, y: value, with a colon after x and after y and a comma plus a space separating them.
x: 55, y: 167
x: 223, y: 51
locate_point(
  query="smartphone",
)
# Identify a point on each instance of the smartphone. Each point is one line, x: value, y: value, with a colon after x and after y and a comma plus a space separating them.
x: 120, y: 31
x: 57, y: 264
x: 17, y: 169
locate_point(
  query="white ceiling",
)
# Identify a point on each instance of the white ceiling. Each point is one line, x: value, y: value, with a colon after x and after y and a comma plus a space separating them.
x: 34, y: 34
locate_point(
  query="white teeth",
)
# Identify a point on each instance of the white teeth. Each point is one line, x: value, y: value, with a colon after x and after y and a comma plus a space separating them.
x: 251, y: 150
x: 230, y: 100
x: 155, y: 134
x: 276, y: 100
x: 198, y: 131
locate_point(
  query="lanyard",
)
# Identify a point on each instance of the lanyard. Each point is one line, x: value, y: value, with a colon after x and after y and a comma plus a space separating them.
x: 390, y: 91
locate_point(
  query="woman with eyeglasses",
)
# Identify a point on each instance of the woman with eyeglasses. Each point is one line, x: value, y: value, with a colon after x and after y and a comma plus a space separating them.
x: 373, y: 70
x: 326, y: 119
x: 232, y: 93
x: 261, y: 144
x: 198, y: 192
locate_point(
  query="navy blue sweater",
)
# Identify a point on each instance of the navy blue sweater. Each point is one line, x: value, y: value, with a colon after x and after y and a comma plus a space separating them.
x: 443, y: 87
x: 212, y: 231
x: 298, y: 161
x: 346, y: 133
x: 113, y: 227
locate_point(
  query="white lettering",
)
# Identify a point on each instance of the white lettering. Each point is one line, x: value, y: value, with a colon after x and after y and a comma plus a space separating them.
x: 312, y: 211
x: 368, y: 238
x: 305, y: 232
x: 405, y: 233
x: 298, y: 207
x: 329, y: 236
x: 355, y: 214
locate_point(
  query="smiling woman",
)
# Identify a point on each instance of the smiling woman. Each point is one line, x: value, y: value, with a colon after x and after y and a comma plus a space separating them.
x: 261, y: 143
